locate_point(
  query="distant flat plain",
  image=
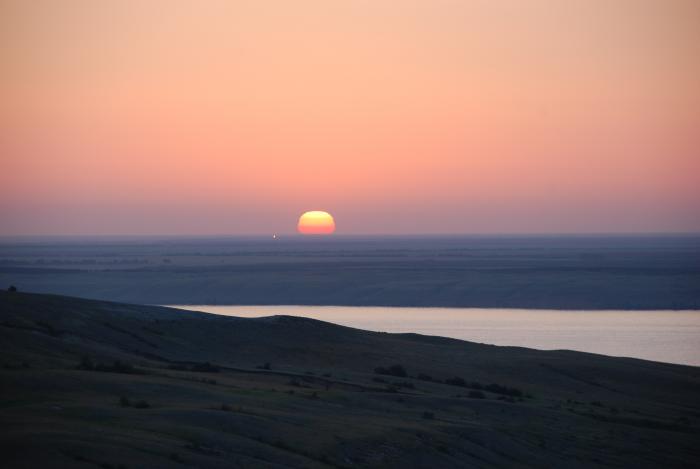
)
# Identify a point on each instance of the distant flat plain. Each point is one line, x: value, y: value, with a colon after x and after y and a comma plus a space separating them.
x: 535, y: 272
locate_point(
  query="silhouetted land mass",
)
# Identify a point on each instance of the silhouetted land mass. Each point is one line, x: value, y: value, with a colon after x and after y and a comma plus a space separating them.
x: 97, y: 384
x: 565, y: 272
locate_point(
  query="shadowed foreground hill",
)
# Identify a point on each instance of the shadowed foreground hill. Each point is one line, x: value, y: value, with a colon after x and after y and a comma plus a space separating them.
x: 97, y: 384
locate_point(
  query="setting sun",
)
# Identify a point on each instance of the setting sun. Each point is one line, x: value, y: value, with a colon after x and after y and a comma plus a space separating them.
x: 316, y: 222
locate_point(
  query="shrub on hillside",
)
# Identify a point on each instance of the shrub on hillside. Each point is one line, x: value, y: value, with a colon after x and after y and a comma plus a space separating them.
x: 86, y: 363
x: 394, y: 370
x: 456, y: 381
x: 404, y: 384
x: 204, y: 368
x: 117, y: 366
x: 126, y: 402
x: 504, y: 390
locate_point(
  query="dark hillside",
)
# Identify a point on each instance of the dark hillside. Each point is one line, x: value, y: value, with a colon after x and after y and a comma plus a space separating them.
x: 90, y: 383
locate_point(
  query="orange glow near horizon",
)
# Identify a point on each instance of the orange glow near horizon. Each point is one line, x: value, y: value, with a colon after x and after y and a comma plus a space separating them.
x: 316, y: 222
x: 427, y: 116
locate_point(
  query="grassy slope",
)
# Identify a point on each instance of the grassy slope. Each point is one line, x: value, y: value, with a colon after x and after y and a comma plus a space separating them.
x: 320, y: 404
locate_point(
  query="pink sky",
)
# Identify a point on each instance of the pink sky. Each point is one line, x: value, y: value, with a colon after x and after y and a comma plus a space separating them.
x: 420, y: 116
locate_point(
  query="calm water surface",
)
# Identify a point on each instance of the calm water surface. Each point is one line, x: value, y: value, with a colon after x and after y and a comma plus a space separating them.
x: 667, y: 336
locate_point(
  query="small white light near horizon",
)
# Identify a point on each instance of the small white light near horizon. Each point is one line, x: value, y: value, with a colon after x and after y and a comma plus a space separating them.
x: 274, y: 236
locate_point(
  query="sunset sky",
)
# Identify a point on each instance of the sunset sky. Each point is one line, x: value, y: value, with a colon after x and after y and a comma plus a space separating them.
x: 397, y: 117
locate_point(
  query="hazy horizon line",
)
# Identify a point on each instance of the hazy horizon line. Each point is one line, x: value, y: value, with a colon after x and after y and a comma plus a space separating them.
x: 350, y: 235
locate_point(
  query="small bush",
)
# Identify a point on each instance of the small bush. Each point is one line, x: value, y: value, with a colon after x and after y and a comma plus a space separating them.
x: 264, y: 366
x: 443, y: 449
x: 476, y: 395
x: 280, y: 444
x: 505, y: 390
x: 126, y: 402
x: 117, y: 367
x: 204, y: 368
x: 12, y: 289
x: 404, y: 384
x: 424, y: 377
x: 86, y: 364
x: 52, y: 331
x: 394, y: 370
x: 456, y: 381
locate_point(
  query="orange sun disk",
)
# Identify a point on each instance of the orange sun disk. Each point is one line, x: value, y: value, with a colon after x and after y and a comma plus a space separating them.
x: 316, y: 222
